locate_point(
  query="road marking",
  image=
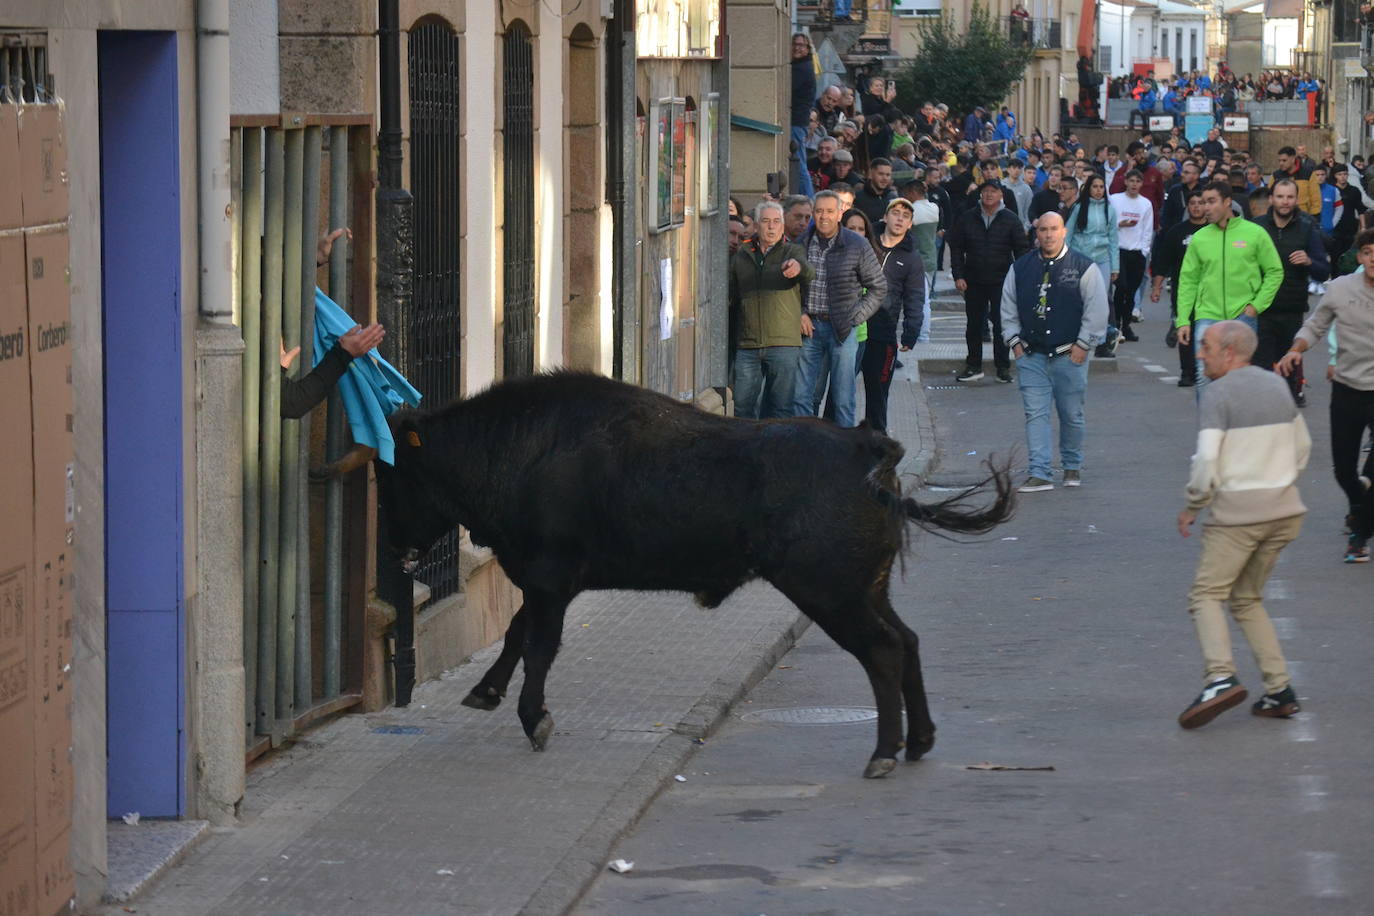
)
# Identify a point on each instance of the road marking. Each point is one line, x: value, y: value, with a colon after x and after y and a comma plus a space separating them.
x: 1314, y: 789
x: 1278, y: 590
x: 1168, y: 378
x: 1285, y: 627
x: 1151, y: 367
x: 1304, y: 728
x: 1322, y: 877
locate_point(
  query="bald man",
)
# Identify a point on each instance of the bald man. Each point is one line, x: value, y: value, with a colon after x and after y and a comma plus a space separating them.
x: 1054, y: 311
x: 1251, y: 445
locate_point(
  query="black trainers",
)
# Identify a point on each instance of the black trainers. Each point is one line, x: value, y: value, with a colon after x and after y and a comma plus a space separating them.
x: 1357, y: 550
x: 1073, y: 478
x: 1187, y: 382
x: 1004, y: 376
x: 1279, y: 705
x: 1035, y: 485
x: 1215, y: 699
x: 969, y: 375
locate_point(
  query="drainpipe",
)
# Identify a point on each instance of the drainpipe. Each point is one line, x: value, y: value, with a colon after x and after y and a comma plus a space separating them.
x: 395, y: 287
x: 212, y: 145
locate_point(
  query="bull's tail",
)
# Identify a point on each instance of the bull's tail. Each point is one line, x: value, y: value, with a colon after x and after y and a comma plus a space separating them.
x: 965, y: 512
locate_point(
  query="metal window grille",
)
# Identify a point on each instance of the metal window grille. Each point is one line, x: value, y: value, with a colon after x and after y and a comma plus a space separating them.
x: 518, y: 210
x: 435, y: 331
x: 24, y: 75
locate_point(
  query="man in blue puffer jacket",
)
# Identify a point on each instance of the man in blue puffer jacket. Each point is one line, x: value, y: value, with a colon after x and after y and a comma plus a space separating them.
x: 906, y: 298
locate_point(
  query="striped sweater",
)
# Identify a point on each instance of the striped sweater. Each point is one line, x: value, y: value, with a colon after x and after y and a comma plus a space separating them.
x: 1251, y: 444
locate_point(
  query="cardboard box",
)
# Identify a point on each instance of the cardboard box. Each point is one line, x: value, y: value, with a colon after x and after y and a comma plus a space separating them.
x: 11, y: 206
x: 54, y: 511
x: 18, y: 843
x: 43, y: 164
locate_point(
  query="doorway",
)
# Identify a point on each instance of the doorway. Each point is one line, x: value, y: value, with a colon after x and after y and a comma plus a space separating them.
x: 141, y: 324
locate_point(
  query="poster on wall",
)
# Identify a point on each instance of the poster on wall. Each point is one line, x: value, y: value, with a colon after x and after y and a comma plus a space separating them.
x: 667, y: 157
x: 709, y: 125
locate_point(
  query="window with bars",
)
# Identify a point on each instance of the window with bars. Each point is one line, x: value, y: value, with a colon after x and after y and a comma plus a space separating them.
x: 436, y: 324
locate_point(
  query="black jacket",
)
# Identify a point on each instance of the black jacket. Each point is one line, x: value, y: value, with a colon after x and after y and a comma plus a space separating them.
x: 906, y: 293
x: 1043, y: 201
x: 1176, y: 206
x: 982, y: 253
x: 803, y: 91
x: 874, y: 206
x: 299, y: 396
x: 1301, y: 234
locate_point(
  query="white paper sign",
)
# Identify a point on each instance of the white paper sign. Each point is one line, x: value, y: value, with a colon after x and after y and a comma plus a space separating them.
x: 665, y: 305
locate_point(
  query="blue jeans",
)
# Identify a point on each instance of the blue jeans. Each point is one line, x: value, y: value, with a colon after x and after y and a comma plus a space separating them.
x: 1044, y: 381
x: 765, y: 381
x: 804, y: 185
x: 824, y: 354
x: 1199, y: 328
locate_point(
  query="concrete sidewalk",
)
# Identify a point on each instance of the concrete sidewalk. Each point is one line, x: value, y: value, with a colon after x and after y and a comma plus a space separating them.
x: 437, y: 808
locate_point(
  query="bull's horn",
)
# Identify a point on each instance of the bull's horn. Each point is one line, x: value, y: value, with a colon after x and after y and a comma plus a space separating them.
x: 351, y: 460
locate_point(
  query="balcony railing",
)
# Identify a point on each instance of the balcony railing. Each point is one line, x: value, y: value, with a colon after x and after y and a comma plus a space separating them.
x: 1040, y: 34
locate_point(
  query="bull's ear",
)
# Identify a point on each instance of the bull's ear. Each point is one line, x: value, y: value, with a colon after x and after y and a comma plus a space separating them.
x: 406, y: 432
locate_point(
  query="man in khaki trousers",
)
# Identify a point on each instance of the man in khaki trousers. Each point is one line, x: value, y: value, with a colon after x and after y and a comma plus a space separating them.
x: 1251, y: 445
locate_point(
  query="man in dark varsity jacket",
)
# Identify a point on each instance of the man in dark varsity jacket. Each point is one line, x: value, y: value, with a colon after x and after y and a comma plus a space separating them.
x: 1054, y: 311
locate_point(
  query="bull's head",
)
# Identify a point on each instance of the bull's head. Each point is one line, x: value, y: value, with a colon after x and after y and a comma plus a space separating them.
x: 414, y: 509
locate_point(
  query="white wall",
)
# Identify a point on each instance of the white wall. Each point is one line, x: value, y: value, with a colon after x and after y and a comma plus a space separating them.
x: 254, y: 66
x: 1280, y: 38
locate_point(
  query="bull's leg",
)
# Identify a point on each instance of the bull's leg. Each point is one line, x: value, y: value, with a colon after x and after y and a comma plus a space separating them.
x: 491, y: 688
x: 543, y: 634
x: 920, y: 736
x: 878, y: 647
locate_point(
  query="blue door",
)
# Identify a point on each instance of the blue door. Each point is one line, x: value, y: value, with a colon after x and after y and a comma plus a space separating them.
x: 141, y: 300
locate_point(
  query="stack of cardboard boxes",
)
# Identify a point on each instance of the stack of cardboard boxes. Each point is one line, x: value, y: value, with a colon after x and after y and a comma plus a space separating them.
x: 37, y: 514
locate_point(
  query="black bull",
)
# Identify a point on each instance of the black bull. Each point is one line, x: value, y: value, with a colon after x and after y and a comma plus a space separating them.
x: 579, y: 482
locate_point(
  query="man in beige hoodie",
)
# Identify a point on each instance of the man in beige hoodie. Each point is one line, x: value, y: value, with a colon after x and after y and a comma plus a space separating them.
x: 1251, y: 445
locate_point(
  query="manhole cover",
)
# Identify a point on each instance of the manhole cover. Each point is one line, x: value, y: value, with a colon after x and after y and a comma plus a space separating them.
x: 813, y: 715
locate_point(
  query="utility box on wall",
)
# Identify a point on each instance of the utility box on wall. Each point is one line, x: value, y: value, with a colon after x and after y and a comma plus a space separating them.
x: 37, y: 534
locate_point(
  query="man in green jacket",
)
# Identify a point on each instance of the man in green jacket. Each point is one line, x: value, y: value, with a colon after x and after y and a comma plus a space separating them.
x: 766, y: 275
x: 1231, y: 272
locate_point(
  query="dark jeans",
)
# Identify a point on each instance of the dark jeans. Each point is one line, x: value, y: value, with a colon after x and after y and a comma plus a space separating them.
x: 877, y: 371
x: 1276, y: 333
x: 981, y: 302
x: 1132, y: 272
x: 1187, y: 361
x: 1352, y: 412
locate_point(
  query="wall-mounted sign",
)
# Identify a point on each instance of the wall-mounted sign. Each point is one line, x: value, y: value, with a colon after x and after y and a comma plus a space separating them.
x: 1235, y: 123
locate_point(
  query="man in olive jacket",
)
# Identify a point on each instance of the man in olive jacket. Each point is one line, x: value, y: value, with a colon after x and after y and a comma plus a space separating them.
x: 765, y: 294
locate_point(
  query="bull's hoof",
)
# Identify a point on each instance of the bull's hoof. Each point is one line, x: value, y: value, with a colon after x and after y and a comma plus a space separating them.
x: 542, y: 730
x: 486, y: 700
x: 879, y: 767
x: 918, y: 749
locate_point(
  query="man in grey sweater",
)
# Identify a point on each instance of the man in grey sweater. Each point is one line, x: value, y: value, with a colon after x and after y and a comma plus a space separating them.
x: 1348, y: 307
x: 1251, y: 445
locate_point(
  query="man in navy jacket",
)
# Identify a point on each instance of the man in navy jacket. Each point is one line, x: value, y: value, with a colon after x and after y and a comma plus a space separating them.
x: 1054, y: 311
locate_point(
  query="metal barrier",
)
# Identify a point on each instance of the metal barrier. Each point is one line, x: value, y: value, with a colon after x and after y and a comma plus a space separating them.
x: 302, y: 657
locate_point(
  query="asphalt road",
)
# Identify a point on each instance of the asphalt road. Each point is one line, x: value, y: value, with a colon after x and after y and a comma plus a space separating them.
x: 1061, y: 640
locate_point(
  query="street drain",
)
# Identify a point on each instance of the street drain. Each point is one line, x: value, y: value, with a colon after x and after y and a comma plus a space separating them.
x: 813, y: 715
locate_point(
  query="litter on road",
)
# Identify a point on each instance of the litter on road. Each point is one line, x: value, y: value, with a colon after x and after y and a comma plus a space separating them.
x: 1001, y: 766
x: 621, y: 865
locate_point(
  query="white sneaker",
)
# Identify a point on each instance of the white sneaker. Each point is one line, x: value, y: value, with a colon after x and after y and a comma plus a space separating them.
x: 1136, y: 316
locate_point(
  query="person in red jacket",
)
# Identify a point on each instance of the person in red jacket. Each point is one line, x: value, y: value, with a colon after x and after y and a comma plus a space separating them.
x: 1153, y: 186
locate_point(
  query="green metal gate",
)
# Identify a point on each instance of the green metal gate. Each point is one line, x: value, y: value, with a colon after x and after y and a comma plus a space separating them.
x: 302, y: 645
